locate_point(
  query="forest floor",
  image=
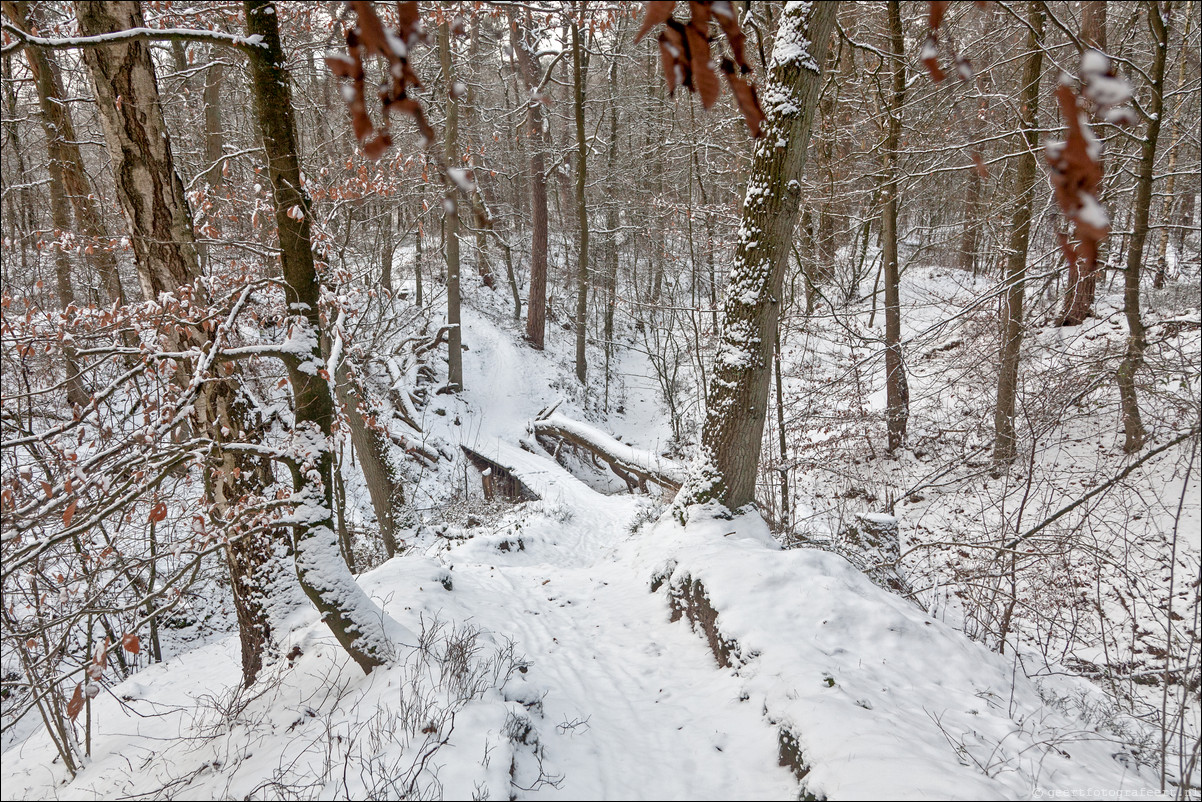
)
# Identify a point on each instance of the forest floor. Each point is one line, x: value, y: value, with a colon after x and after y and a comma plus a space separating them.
x: 548, y: 668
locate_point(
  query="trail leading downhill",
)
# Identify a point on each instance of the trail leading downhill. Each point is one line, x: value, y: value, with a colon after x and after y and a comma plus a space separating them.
x: 633, y: 706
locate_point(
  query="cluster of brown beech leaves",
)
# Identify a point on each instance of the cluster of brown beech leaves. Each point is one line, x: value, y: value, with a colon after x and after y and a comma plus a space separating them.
x: 685, y: 49
x: 370, y: 37
x: 1074, y: 165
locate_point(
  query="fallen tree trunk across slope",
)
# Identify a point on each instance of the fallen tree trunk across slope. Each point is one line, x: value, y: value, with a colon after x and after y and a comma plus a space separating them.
x: 634, y: 466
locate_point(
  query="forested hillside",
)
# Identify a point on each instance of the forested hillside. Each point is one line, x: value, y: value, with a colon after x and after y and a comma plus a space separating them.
x: 598, y: 400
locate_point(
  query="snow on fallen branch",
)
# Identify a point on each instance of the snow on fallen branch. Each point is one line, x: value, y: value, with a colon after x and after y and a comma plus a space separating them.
x: 633, y: 465
x: 23, y: 39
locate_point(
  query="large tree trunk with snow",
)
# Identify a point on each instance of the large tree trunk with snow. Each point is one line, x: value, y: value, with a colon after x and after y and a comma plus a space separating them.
x: 1004, y: 446
x: 737, y: 395
x: 1137, y: 341
x: 354, y: 619
x: 160, y: 227
x: 897, y: 391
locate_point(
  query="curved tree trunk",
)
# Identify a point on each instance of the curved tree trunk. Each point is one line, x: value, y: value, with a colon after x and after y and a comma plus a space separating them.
x: 354, y: 619
x: 737, y: 394
x: 1137, y: 341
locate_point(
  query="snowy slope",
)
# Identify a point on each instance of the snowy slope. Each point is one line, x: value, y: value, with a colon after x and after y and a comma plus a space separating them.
x: 551, y: 670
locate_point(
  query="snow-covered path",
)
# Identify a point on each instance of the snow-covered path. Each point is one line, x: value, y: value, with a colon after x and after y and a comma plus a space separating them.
x: 635, y: 706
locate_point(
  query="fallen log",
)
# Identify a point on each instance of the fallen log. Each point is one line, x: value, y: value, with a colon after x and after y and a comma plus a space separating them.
x: 634, y: 466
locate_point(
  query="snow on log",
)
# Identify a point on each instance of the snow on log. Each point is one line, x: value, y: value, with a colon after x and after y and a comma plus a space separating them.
x: 498, y: 477
x: 635, y: 466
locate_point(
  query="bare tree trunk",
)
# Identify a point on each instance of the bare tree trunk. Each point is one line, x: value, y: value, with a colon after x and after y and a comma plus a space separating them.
x: 1004, y: 445
x: 450, y: 219
x: 897, y: 410
x: 386, y: 252
x: 160, y: 227
x: 1174, y: 137
x: 737, y: 395
x: 52, y: 109
x: 371, y: 444
x: 354, y: 619
x: 783, y: 442
x: 214, y: 135
x: 536, y: 301
x: 60, y: 214
x: 1137, y: 342
x: 65, y: 151
x: 579, y: 66
x: 611, y: 225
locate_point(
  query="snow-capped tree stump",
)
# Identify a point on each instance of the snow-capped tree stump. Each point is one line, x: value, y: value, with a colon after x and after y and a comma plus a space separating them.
x: 873, y: 544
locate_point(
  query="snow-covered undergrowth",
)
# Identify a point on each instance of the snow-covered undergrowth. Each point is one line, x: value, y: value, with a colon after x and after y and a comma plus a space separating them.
x: 1078, y: 557
x: 312, y: 725
x: 874, y: 698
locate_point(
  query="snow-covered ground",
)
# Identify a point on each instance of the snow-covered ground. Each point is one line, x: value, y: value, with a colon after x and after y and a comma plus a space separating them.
x: 547, y: 667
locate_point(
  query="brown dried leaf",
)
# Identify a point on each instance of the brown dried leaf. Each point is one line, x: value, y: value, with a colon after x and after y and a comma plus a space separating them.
x: 75, y: 706
x: 1075, y: 178
x: 937, y: 10
x: 672, y: 51
x: 131, y: 643
x: 705, y: 80
x: 725, y: 15
x: 745, y: 96
x: 69, y: 513
x: 409, y: 22
x: 158, y: 512
x: 655, y: 12
x: 929, y: 55
x: 979, y: 164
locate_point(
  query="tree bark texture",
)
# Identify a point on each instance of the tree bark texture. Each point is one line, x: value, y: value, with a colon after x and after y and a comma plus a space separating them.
x: 160, y: 227
x: 1004, y: 444
x: 737, y: 395
x: 150, y: 191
